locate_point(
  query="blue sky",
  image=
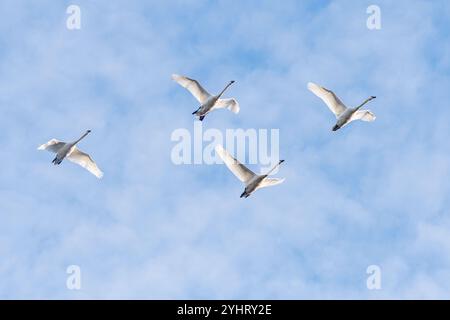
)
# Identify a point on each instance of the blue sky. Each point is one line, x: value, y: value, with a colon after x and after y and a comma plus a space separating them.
x: 370, y: 194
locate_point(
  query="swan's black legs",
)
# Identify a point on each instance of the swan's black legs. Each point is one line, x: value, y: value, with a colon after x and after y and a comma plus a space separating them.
x: 56, y: 161
x: 245, y: 194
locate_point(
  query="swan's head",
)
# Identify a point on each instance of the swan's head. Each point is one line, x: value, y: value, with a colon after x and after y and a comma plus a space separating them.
x: 335, y: 128
x: 372, y: 97
x: 88, y: 131
x: 232, y: 81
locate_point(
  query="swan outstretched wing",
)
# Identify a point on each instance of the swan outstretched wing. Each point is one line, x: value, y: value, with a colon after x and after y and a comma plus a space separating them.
x: 193, y: 86
x: 239, y: 170
x: 331, y: 100
x: 52, y: 146
x: 83, y: 159
x: 364, y: 115
x: 268, y: 182
x: 231, y: 104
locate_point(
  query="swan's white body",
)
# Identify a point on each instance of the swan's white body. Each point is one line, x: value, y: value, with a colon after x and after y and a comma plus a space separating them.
x: 69, y: 150
x: 207, y: 101
x: 251, y: 180
x: 343, y: 114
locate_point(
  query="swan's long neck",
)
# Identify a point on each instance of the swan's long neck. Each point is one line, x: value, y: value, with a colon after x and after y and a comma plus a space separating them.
x: 276, y: 166
x: 224, y: 89
x: 81, y: 138
x: 365, y: 101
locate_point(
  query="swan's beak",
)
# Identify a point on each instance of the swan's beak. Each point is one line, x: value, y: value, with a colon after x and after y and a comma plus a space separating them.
x: 373, y: 97
x: 232, y: 81
x: 336, y: 127
x: 281, y: 161
x: 243, y: 194
x: 89, y: 131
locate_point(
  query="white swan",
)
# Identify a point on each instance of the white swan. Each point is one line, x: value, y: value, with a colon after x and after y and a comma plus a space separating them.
x: 251, y: 180
x: 343, y: 114
x: 72, y: 153
x: 208, y: 102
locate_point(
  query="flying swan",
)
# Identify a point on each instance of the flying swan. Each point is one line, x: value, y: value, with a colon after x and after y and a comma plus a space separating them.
x: 343, y: 114
x: 251, y: 180
x: 208, y: 102
x: 72, y: 153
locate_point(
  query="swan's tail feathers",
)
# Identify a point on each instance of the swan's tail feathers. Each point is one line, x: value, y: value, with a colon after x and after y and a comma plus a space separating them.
x: 201, y: 118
